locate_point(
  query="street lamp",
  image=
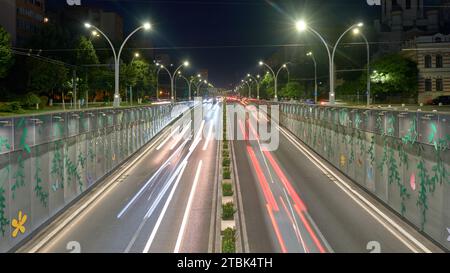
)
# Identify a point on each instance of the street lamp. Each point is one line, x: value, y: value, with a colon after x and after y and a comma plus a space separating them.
x: 190, y: 82
x: 249, y: 88
x: 135, y: 55
x: 199, y: 85
x: 301, y: 27
x: 172, y: 77
x: 310, y: 54
x: 358, y: 25
x: 357, y: 31
x: 258, y: 84
x: 145, y: 26
x: 275, y: 75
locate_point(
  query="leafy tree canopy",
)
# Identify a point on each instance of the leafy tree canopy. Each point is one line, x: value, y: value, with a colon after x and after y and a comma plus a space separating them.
x: 6, y: 54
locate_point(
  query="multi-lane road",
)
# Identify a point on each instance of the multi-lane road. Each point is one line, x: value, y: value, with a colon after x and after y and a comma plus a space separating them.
x: 159, y: 201
x: 164, y: 199
x: 299, y: 203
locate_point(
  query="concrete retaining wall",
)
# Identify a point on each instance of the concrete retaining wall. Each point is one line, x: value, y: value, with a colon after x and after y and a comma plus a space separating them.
x: 48, y: 160
x: 403, y: 158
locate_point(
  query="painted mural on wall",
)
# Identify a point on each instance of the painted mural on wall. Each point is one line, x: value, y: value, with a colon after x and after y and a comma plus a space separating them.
x: 56, y: 157
x: 412, y: 162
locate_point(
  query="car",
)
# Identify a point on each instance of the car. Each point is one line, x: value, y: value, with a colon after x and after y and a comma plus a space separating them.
x: 444, y: 100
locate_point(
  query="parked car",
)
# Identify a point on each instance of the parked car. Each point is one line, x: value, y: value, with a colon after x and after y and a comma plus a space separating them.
x: 445, y: 100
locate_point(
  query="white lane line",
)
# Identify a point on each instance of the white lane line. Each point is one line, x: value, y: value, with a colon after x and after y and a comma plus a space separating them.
x: 296, y: 227
x: 180, y: 136
x: 163, y: 212
x: 208, y: 139
x: 168, y: 138
x: 188, y: 209
x: 139, y: 193
x: 360, y: 200
x: 90, y: 203
x: 198, y: 137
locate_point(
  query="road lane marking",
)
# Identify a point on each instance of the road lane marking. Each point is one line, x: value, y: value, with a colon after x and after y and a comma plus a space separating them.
x: 360, y: 200
x: 168, y: 138
x: 163, y: 212
x: 184, y: 163
x: 277, y: 229
x: 293, y: 220
x: 181, y: 135
x: 270, y: 199
x: 139, y: 193
x: 96, y: 197
x: 188, y: 209
x: 208, y: 139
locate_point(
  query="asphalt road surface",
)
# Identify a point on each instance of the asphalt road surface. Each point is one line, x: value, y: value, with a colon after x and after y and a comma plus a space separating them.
x: 298, y: 205
x: 160, y: 201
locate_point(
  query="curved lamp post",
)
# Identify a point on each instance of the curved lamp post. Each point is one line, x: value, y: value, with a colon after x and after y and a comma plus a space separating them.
x: 172, y: 77
x: 249, y: 88
x: 145, y: 26
x: 310, y: 54
x: 357, y: 31
x: 258, y: 83
x: 302, y: 26
x: 199, y: 85
x: 275, y: 75
x: 189, y: 83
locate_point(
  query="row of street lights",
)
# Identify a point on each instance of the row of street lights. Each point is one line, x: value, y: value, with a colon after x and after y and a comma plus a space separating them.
x: 258, y: 79
x: 146, y: 26
x: 301, y: 26
x: 356, y: 28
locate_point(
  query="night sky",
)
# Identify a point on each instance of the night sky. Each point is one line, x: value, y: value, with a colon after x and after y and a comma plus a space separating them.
x: 228, y: 37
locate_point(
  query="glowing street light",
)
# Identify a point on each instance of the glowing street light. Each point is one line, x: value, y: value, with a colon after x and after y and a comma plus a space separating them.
x: 351, y: 28
x: 258, y: 83
x: 172, y: 77
x: 302, y: 26
x: 145, y: 26
x: 310, y: 54
x: 275, y: 75
x: 358, y: 32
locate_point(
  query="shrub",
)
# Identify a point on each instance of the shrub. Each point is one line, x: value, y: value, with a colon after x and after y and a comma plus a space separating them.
x: 11, y: 107
x: 30, y: 100
x: 226, y: 173
x: 226, y: 162
x: 229, y: 241
x: 225, y: 153
x: 228, y: 211
x: 225, y: 145
x: 227, y: 189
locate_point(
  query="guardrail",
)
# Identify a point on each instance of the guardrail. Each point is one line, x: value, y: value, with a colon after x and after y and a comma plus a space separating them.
x: 401, y: 157
x: 48, y: 160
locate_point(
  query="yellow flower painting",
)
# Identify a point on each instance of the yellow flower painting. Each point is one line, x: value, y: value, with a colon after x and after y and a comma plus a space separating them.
x: 19, y: 224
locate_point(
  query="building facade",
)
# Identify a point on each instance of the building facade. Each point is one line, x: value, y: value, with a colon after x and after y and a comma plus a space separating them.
x: 403, y: 20
x: 419, y: 28
x: 22, y: 18
x: 432, y: 55
x: 109, y: 22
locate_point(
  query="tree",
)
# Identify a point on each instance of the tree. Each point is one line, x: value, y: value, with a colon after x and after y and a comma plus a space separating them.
x: 292, y: 90
x: 6, y: 54
x: 267, y: 87
x: 394, y: 74
x: 140, y: 75
x: 85, y: 55
x: 45, y: 77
